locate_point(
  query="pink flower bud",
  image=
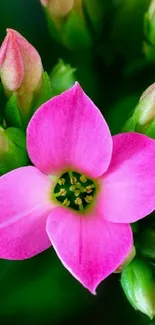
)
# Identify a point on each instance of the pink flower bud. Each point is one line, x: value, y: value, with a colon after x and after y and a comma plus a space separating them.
x: 60, y: 8
x: 20, y: 68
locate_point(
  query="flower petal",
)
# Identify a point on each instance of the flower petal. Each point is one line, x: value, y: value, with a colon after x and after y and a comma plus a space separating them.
x: 23, y: 191
x: 129, y: 184
x: 88, y: 246
x: 69, y: 132
x: 26, y: 237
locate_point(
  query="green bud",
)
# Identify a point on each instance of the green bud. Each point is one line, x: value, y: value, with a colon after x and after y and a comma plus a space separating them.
x: 12, y: 149
x: 145, y: 110
x: 149, y: 31
x: 149, y: 23
x: 62, y: 77
x: 127, y: 260
x: 138, y: 285
x: 143, y: 117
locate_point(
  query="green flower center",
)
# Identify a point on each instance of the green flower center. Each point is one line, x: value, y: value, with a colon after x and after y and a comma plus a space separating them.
x: 75, y: 191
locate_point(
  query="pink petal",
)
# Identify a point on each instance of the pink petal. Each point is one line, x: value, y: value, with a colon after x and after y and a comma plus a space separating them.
x: 129, y: 185
x: 88, y: 246
x: 69, y: 132
x: 22, y: 192
x: 3, y: 50
x: 26, y: 237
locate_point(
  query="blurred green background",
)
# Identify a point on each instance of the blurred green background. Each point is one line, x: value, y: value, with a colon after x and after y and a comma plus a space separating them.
x: 114, y: 73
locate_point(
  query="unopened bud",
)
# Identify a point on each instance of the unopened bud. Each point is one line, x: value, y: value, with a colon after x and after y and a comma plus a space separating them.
x: 58, y: 8
x: 138, y: 285
x: 62, y: 77
x: 143, y: 118
x: 149, y: 23
x: 146, y: 106
x: 20, y: 70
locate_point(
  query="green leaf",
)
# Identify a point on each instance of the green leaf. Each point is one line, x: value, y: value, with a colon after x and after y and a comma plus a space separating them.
x: 11, y: 113
x: 13, y: 152
x: 45, y: 92
x: 75, y: 33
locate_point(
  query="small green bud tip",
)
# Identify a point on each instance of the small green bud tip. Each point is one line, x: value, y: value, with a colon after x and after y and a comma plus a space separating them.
x: 144, y: 113
x: 146, y: 106
x: 75, y: 191
x: 62, y: 77
x: 149, y: 24
x: 151, y: 10
x: 4, y: 144
x: 127, y: 260
x: 138, y: 285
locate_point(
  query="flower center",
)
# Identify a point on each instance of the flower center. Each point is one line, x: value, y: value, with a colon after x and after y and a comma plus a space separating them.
x: 74, y: 190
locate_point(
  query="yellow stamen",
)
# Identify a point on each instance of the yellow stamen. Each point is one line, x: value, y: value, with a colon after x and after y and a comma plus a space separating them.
x: 73, y: 180
x: 62, y: 192
x: 78, y: 201
x: 83, y: 178
x: 66, y: 203
x: 88, y: 189
x: 77, y: 193
x: 61, y: 181
x: 82, y: 189
x: 88, y: 198
x: 72, y: 188
x: 78, y: 185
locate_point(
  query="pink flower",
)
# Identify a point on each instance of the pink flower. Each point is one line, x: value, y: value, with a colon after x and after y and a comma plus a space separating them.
x: 85, y: 189
x: 20, y: 69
